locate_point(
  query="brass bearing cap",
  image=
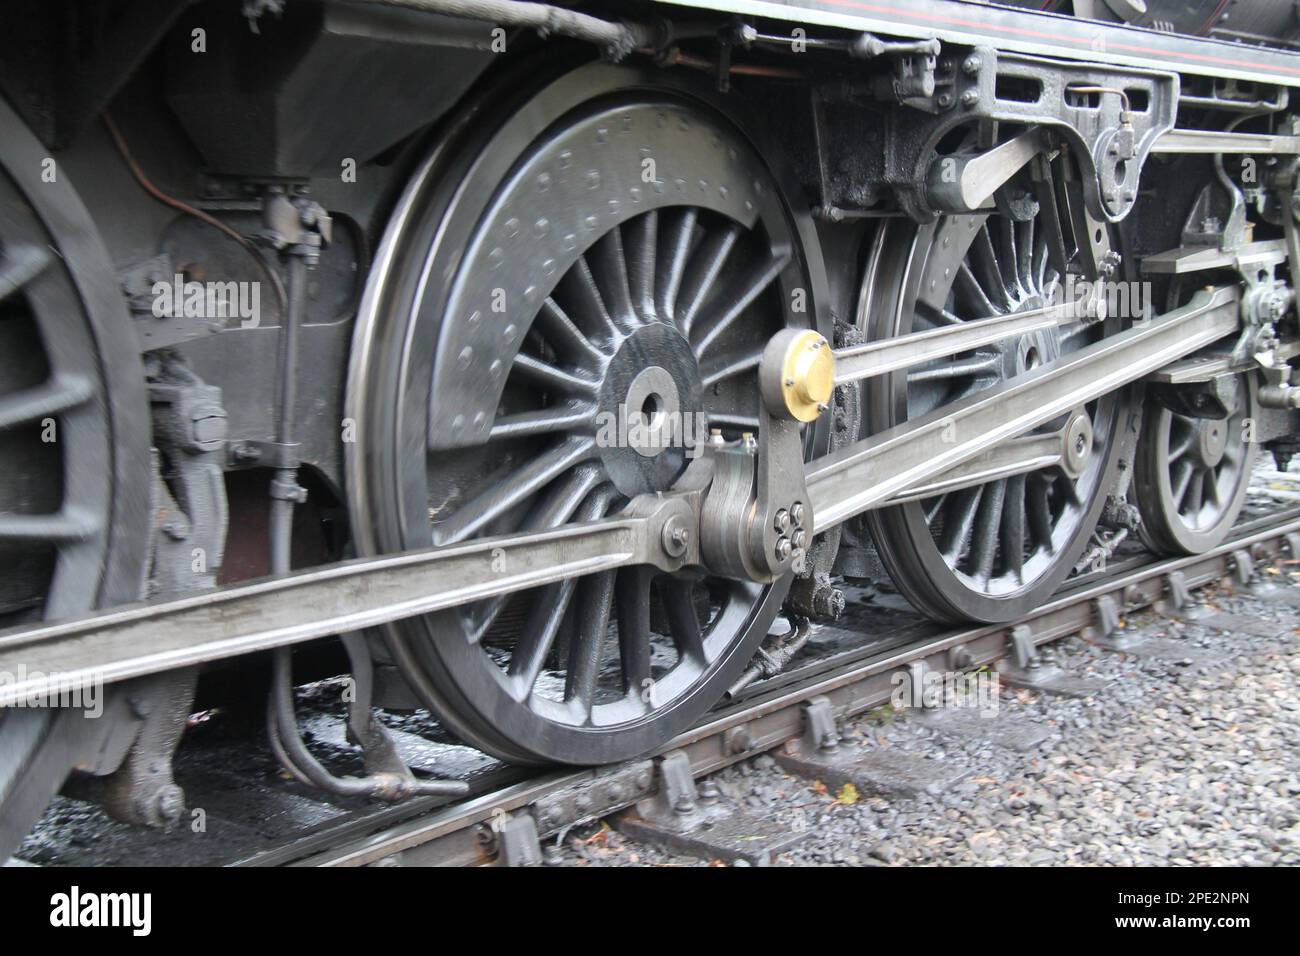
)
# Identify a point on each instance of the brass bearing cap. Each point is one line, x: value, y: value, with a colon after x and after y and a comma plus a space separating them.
x: 797, y: 374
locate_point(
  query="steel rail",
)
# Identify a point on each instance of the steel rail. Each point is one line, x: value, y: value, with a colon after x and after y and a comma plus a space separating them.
x: 455, y: 833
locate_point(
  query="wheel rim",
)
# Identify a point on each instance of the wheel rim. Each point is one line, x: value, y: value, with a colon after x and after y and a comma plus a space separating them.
x: 990, y: 552
x: 634, y: 298
x: 73, y: 414
x: 1193, y: 473
x: 74, y: 511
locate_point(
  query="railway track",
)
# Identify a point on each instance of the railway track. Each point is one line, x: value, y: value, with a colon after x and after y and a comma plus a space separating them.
x: 836, y: 676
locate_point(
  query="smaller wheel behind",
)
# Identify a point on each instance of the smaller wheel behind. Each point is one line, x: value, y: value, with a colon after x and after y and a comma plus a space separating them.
x: 1191, y: 475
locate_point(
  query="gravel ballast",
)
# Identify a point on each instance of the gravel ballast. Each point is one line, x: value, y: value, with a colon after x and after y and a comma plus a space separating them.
x: 1176, y: 762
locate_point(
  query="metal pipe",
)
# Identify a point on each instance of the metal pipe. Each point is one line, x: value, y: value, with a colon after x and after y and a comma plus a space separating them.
x: 285, y: 492
x: 617, y: 39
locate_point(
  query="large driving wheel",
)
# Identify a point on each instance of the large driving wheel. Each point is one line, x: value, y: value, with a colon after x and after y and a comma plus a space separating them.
x: 604, y: 251
x: 74, y: 447
x: 990, y: 552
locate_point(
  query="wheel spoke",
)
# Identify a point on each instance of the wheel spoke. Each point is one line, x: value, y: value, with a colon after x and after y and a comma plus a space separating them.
x: 990, y: 272
x: 1195, y: 493
x: 971, y: 290
x: 640, y: 245
x: 1039, y: 509
x: 50, y: 398
x: 21, y: 264
x: 683, y: 623
x: 543, y: 422
x: 565, y: 337
x: 632, y: 600
x: 729, y: 368
x: 512, y: 490
x: 710, y: 260
x: 67, y: 526
x: 557, y: 507
x: 1025, y: 255
x: 1180, y: 446
x: 588, y: 647
x: 1010, y: 258
x: 704, y: 334
x: 679, y: 250
x: 552, y: 378
x: 579, y: 292
x: 984, y: 540
x: 544, y: 620
x: 610, y: 274
x: 1013, y: 527
x: 934, y: 314
x: 958, y: 517
x: 1180, y: 481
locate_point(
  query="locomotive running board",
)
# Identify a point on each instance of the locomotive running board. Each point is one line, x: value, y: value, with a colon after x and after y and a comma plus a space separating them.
x: 137, y: 640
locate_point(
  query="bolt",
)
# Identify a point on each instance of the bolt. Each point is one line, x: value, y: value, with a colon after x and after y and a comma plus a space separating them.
x: 970, y: 98
x: 247, y: 452
x: 971, y: 65
x: 684, y: 805
x: 798, y: 539
x: 944, y: 100
x: 781, y: 521
x: 709, y: 792
x: 797, y: 513
x: 676, y: 537
x: 783, y: 548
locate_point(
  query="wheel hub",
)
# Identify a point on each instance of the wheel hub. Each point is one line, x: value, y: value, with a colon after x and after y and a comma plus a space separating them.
x: 1211, y: 440
x: 651, y: 409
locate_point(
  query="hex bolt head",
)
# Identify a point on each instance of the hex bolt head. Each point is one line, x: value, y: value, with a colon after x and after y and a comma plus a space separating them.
x: 783, y: 548
x: 970, y: 98
x: 797, y: 513
x: 781, y: 521
x: 971, y: 65
x: 675, y: 537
